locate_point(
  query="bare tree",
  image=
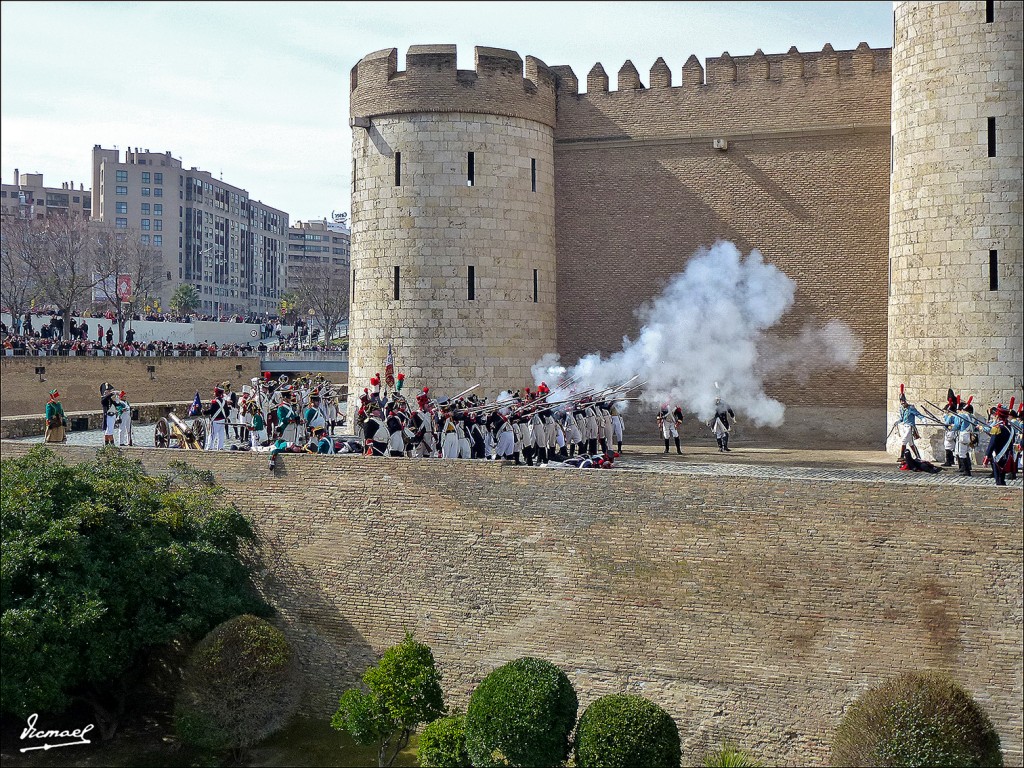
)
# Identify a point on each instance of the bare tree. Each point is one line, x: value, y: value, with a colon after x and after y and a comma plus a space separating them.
x: 323, y: 287
x: 64, y: 269
x: 20, y: 246
x: 121, y: 254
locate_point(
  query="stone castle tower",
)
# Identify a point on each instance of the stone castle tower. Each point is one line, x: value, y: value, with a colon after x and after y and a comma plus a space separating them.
x: 955, y: 234
x: 453, y: 236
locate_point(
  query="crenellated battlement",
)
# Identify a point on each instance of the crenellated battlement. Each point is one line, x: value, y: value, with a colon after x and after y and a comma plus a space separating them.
x: 431, y: 82
x: 727, y: 70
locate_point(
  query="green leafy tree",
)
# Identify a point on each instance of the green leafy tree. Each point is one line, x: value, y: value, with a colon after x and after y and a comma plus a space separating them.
x: 102, y: 566
x: 289, y: 306
x: 730, y: 756
x: 619, y: 731
x: 404, y: 690
x: 916, y: 719
x: 443, y: 744
x: 238, y: 688
x: 185, y: 299
x: 522, y: 713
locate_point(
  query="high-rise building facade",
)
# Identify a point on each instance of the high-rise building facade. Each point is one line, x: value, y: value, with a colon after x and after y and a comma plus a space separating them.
x: 318, y: 242
x: 210, y: 234
x: 28, y: 198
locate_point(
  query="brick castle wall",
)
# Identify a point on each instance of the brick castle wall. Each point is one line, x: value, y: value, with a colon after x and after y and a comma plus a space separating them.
x: 637, y: 188
x: 753, y: 610
x: 78, y: 379
x: 805, y: 179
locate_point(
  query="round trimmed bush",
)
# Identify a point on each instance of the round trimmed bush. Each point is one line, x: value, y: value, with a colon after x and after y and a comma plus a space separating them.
x: 238, y: 686
x: 916, y: 719
x: 443, y: 744
x: 619, y: 731
x: 522, y: 713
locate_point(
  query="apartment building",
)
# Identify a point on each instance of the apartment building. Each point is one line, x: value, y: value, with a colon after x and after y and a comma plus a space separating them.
x: 323, y: 241
x: 29, y: 198
x: 211, y: 234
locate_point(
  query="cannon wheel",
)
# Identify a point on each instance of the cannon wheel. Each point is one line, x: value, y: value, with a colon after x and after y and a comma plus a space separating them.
x: 162, y: 434
x: 199, y: 430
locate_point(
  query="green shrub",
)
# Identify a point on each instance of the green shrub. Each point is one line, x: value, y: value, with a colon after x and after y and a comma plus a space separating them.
x: 522, y: 713
x: 102, y: 567
x: 238, y: 686
x: 619, y: 731
x: 916, y: 719
x: 443, y: 744
x: 404, y: 691
x: 730, y: 756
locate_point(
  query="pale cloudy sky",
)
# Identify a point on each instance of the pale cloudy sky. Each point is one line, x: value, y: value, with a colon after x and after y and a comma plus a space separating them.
x: 258, y: 91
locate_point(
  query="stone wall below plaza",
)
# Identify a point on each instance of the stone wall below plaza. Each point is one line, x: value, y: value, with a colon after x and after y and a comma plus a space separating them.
x: 78, y: 379
x: 753, y: 610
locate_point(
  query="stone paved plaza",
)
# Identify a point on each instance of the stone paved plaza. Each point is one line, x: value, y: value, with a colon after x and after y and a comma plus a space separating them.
x: 703, y: 458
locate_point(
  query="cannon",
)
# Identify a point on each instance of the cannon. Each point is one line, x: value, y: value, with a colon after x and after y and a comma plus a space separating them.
x: 173, y: 432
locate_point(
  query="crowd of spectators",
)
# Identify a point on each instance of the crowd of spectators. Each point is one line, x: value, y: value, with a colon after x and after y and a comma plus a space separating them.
x: 38, y: 346
x: 97, y: 339
x: 81, y: 331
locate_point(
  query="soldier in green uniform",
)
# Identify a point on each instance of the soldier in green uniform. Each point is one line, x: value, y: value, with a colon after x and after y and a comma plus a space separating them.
x: 287, y: 419
x: 56, y: 422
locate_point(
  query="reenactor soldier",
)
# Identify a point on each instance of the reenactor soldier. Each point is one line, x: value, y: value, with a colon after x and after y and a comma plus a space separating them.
x: 56, y: 421
x: 217, y: 410
x: 669, y: 424
x: 720, y: 425
x: 109, y: 409
x: 123, y: 420
x: 908, y: 427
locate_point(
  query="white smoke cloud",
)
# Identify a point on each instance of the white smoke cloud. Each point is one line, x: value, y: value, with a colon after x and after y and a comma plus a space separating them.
x: 706, y: 336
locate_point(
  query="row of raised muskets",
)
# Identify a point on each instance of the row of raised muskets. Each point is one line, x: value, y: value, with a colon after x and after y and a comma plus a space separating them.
x: 954, y: 405
x: 545, y: 424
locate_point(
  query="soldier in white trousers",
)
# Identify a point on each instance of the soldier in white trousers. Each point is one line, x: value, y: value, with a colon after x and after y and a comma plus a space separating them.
x: 123, y: 420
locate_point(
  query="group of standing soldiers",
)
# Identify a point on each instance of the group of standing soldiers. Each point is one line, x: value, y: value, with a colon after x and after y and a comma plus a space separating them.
x: 962, y: 435
x: 271, y: 411
x: 670, y: 420
x: 114, y: 407
x: 117, y: 416
x: 521, y: 427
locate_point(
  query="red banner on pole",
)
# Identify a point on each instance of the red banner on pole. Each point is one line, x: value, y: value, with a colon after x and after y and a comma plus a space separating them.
x: 124, y: 287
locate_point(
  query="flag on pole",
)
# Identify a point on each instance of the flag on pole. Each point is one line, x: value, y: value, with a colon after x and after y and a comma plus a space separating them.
x: 389, y: 369
x: 196, y: 407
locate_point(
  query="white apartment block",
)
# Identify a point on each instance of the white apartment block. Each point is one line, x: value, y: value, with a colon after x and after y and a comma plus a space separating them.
x: 29, y: 198
x: 211, y: 234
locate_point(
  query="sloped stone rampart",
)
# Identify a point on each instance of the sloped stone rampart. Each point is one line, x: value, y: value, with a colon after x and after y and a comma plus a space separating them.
x: 753, y: 610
